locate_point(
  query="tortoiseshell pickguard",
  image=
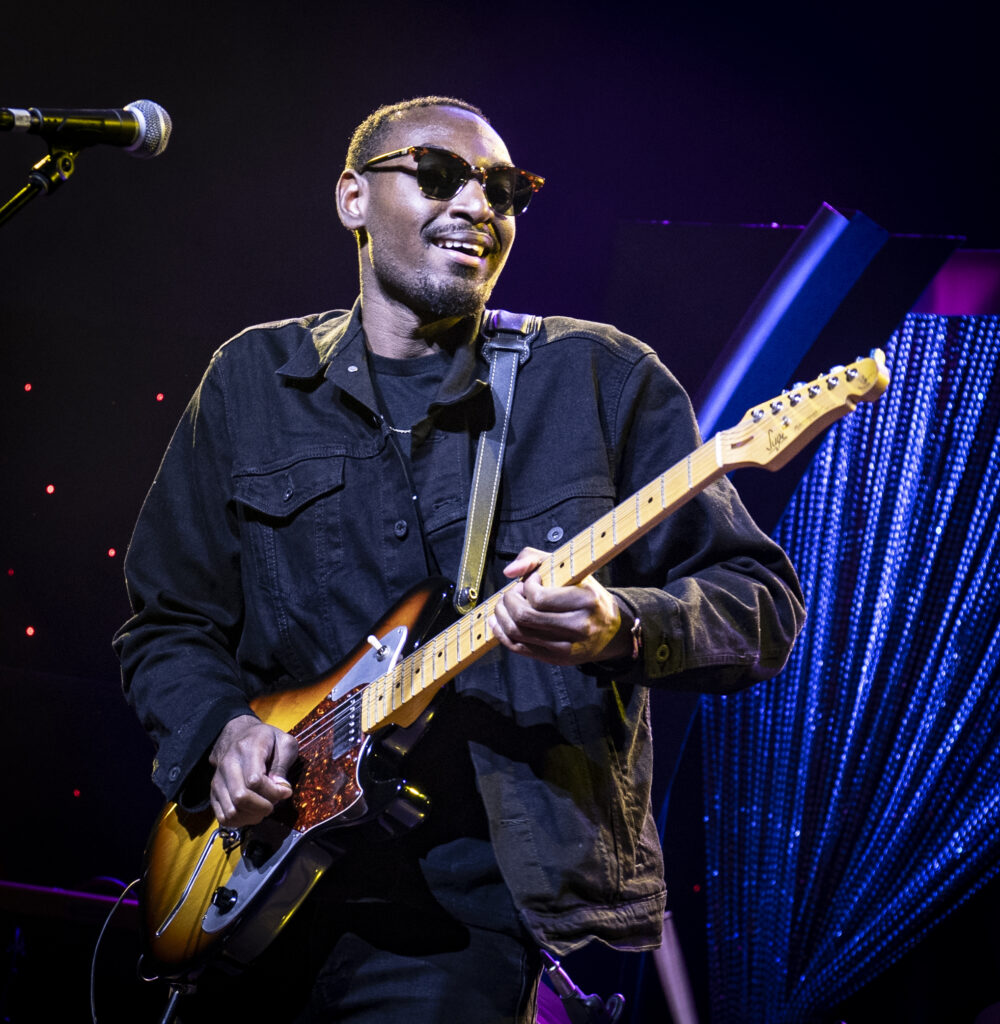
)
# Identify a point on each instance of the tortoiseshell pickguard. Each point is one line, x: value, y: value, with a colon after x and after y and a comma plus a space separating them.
x: 326, y: 785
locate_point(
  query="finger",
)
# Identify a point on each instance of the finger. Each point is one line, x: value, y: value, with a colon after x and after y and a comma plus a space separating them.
x: 284, y: 755
x: 525, y: 562
x: 523, y: 631
x: 559, y: 600
x: 530, y: 618
x: 552, y: 651
x: 239, y: 808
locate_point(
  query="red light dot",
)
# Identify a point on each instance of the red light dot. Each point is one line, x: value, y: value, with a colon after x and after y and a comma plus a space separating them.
x: 27, y: 386
x: 76, y: 792
x: 30, y: 631
x: 50, y: 489
x: 112, y: 552
x: 159, y: 396
x: 10, y: 572
x: 696, y: 888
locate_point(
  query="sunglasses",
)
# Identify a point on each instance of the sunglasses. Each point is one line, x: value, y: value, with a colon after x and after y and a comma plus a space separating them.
x: 442, y: 175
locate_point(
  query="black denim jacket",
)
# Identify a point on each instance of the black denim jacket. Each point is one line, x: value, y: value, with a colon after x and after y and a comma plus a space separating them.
x: 280, y: 527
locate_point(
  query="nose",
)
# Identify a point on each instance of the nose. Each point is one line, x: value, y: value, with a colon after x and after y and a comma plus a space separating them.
x: 470, y: 200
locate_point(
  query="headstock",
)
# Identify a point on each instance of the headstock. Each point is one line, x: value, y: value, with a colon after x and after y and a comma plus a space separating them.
x: 771, y: 433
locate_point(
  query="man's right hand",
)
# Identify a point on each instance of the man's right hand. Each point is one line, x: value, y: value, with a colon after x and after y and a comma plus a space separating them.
x: 251, y: 762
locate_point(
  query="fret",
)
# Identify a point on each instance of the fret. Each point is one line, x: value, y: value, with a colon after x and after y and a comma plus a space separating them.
x: 425, y: 662
x: 373, y: 709
x: 477, y: 621
x: 376, y: 705
x: 411, y: 667
x: 453, y: 637
x: 366, y: 720
x: 471, y: 625
x: 749, y: 444
x: 415, y: 661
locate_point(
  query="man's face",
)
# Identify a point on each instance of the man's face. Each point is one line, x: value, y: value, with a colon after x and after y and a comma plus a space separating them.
x: 438, y: 257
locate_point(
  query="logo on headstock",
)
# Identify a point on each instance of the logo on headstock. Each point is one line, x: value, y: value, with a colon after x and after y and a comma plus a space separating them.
x: 775, y: 439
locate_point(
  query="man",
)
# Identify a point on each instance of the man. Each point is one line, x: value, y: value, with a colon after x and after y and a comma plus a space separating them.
x: 323, y: 468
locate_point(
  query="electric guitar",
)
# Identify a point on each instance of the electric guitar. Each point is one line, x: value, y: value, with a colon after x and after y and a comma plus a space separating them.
x: 210, y: 891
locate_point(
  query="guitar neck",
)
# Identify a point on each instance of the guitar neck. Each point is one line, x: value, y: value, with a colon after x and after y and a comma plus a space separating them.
x: 422, y: 673
x: 768, y: 435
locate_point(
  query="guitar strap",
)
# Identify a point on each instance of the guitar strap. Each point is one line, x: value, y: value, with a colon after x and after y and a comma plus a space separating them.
x: 507, y: 345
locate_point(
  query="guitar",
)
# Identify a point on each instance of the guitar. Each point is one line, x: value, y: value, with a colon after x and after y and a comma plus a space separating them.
x: 211, y: 891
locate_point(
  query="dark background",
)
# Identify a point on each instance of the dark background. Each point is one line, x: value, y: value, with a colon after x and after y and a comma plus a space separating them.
x: 117, y: 288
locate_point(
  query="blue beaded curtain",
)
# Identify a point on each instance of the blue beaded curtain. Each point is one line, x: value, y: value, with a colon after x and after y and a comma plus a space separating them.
x: 854, y: 800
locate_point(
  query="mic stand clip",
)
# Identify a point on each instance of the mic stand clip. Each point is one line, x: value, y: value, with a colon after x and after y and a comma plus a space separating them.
x: 46, y: 176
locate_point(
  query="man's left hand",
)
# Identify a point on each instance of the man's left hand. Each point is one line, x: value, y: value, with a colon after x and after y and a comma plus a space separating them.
x: 559, y: 625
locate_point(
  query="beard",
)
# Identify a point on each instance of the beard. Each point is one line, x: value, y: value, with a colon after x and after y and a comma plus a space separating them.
x: 432, y: 293
x: 440, y: 299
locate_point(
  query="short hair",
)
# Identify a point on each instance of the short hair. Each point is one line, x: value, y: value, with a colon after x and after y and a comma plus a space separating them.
x: 367, y: 138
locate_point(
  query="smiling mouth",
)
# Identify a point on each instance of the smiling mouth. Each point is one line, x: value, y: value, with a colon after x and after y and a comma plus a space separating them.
x: 472, y: 249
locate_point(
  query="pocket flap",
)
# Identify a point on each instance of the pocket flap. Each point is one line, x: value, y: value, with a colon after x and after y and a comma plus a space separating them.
x: 551, y: 528
x: 282, y: 492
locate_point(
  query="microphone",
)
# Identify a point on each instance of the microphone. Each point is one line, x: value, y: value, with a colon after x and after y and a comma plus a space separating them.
x: 143, y: 127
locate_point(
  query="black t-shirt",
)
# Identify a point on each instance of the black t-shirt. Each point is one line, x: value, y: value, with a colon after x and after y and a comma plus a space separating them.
x: 447, y: 862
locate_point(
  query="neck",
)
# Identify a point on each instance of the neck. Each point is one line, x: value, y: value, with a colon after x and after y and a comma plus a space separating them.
x: 399, y: 333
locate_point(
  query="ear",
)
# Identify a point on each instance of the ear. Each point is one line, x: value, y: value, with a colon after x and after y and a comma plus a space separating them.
x: 352, y: 199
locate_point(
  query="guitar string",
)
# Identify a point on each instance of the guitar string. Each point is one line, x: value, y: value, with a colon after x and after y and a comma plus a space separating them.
x: 346, y: 711
x: 343, y: 713
x: 339, y: 716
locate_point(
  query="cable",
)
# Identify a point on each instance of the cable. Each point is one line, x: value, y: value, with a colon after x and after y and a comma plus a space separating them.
x: 97, y: 946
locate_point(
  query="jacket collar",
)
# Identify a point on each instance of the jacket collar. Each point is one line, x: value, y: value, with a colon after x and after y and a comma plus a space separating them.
x: 335, y: 347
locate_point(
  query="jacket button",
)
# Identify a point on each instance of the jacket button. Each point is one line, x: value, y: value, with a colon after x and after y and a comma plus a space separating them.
x: 663, y: 652
x: 400, y: 529
x: 554, y: 535
x: 174, y: 774
x: 287, y: 496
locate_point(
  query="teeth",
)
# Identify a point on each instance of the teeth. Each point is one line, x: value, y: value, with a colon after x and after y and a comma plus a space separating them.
x: 475, y: 250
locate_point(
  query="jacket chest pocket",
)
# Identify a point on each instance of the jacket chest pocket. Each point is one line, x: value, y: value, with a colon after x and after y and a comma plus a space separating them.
x: 290, y: 519
x: 550, y: 528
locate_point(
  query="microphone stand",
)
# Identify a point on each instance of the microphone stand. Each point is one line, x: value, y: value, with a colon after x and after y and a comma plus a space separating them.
x: 46, y: 176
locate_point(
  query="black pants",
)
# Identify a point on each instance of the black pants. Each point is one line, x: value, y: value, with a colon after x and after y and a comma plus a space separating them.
x: 424, y: 959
